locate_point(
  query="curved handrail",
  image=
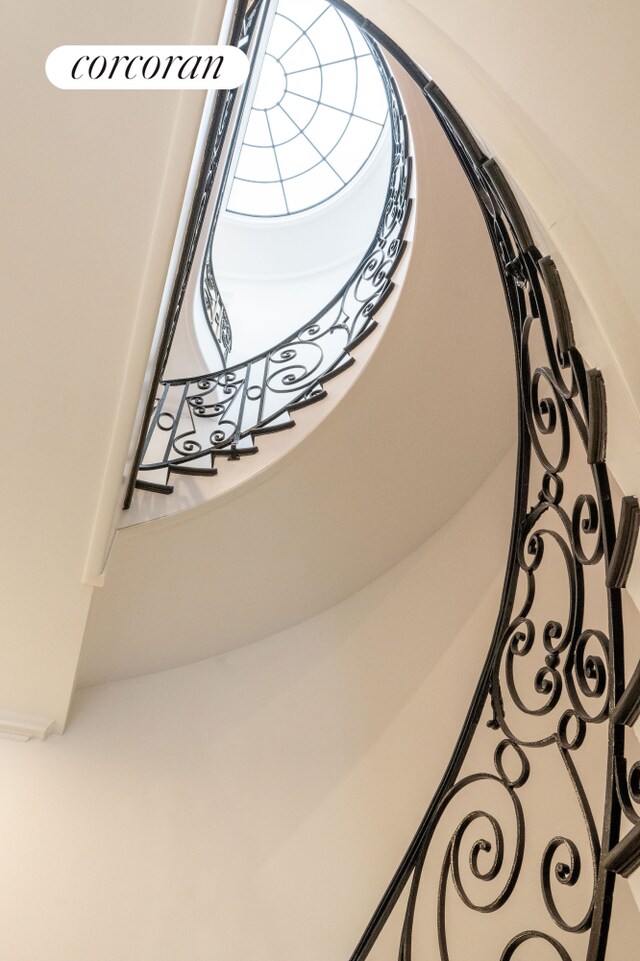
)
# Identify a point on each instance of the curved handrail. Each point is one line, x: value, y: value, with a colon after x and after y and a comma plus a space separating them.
x: 198, y: 419
x: 246, y: 18
x: 576, y: 664
x: 212, y: 302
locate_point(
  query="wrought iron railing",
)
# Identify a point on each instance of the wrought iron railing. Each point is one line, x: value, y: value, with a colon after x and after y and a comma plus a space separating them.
x: 520, y: 841
x: 214, y: 307
x: 249, y: 21
x: 199, y: 419
x: 538, y: 781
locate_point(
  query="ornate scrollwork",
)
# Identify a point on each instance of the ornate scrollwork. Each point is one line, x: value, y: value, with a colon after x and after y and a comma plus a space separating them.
x: 199, y: 419
x: 160, y: 397
x: 520, y: 939
x: 212, y: 302
x: 553, y: 672
x: 214, y: 308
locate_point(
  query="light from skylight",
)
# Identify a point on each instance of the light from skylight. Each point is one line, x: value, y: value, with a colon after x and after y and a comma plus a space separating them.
x: 317, y: 116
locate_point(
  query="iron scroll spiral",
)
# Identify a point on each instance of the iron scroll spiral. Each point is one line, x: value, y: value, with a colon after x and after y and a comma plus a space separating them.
x: 200, y: 419
x: 554, y: 670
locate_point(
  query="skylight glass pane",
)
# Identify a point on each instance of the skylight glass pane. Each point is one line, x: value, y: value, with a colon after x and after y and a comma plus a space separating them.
x: 300, y: 56
x: 354, y: 148
x: 282, y: 127
x: 283, y: 34
x: 298, y: 109
x: 271, y: 86
x: 312, y: 187
x: 331, y: 38
x: 303, y: 13
x: 339, y: 85
x: 263, y: 200
x: 257, y: 163
x: 317, y: 116
x: 326, y: 128
x: 296, y: 156
x: 307, y: 82
x: 257, y: 134
x: 371, y: 99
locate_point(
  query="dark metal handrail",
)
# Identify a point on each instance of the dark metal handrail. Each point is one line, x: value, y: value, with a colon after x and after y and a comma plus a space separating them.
x: 577, y: 663
x: 246, y: 18
x: 511, y: 738
x: 198, y: 419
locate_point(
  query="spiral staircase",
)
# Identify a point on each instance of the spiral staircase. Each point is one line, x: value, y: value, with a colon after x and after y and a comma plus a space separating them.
x: 275, y: 672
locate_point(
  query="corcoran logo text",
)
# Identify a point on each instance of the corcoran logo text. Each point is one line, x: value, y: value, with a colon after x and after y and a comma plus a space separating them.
x: 146, y: 67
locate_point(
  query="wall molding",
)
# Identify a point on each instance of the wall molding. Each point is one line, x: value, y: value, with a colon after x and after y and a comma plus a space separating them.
x: 25, y: 727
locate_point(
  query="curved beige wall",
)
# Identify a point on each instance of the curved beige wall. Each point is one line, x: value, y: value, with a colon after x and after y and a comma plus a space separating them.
x: 254, y: 805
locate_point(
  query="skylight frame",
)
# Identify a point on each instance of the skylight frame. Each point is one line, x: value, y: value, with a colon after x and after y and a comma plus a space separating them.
x: 360, y: 51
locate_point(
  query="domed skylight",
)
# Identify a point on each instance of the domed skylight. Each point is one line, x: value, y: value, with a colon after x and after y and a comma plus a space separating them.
x: 318, y: 113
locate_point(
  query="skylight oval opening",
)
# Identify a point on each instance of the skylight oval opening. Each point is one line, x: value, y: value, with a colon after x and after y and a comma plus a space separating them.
x: 318, y: 113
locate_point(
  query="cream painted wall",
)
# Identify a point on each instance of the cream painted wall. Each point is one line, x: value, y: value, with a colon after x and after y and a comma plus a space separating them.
x: 253, y: 806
